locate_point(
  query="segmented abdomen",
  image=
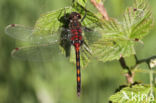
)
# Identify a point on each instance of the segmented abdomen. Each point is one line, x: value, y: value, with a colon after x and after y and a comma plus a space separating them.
x: 76, y: 40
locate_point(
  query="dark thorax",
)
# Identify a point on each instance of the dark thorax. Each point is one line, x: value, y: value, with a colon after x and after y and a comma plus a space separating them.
x: 75, y: 29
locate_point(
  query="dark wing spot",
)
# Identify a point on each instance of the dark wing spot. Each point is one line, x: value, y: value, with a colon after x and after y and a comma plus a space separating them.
x: 13, y: 25
x: 16, y: 49
x: 135, y: 9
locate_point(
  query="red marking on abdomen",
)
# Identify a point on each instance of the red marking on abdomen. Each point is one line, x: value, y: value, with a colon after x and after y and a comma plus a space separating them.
x: 16, y: 49
x: 78, y: 70
x: 76, y: 34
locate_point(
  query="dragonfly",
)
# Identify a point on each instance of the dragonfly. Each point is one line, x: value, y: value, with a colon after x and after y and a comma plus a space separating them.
x: 71, y: 36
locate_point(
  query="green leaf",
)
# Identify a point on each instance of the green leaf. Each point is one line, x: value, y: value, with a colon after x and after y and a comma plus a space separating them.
x: 135, y: 94
x: 113, y: 44
x: 49, y: 23
x: 138, y: 20
x: 82, y: 2
x: 114, y: 51
x: 136, y: 24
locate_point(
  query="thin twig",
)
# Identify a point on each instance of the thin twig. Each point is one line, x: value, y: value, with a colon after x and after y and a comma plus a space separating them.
x: 147, y: 60
x: 101, y: 9
x: 129, y: 75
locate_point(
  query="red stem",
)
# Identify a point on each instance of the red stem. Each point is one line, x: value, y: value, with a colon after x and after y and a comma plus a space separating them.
x: 101, y: 9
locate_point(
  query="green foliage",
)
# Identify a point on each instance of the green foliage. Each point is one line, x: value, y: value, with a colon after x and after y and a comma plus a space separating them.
x: 137, y: 23
x: 135, y: 94
x: 138, y: 20
x: 34, y: 82
x: 121, y: 35
x: 82, y: 2
x: 50, y: 23
x: 116, y: 38
x: 120, y: 46
x: 48, y: 30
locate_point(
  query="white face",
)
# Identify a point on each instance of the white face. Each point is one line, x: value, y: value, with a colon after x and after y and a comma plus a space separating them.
x: 75, y: 16
x: 71, y: 20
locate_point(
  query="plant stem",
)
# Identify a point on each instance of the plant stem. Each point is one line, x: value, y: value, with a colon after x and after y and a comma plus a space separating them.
x: 100, y: 8
x: 151, y: 81
x: 147, y: 60
x: 129, y: 75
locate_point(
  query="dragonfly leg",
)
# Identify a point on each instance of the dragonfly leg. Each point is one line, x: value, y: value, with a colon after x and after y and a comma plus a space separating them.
x: 65, y: 15
x: 81, y: 42
x: 73, y: 1
x: 84, y: 16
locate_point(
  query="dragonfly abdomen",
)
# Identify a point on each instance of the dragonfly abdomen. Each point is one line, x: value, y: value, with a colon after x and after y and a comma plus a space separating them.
x: 76, y: 40
x: 76, y: 36
x: 78, y: 71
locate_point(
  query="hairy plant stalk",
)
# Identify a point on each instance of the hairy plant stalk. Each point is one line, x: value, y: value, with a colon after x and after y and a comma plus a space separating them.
x: 151, y: 81
x: 129, y: 75
x: 129, y: 78
x: 100, y: 8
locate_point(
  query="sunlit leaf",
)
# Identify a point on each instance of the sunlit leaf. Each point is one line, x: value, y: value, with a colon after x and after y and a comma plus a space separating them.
x: 82, y: 2
x: 136, y: 24
x: 135, y: 94
x: 138, y: 20
x: 50, y: 22
x: 114, y: 51
x: 119, y: 44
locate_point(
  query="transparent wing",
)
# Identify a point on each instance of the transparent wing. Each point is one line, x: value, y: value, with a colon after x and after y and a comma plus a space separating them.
x: 89, y: 52
x: 19, y: 32
x: 23, y: 33
x: 91, y: 35
x: 93, y: 40
x: 51, y: 22
x: 37, y: 53
x: 106, y: 30
x: 107, y: 42
x: 85, y: 56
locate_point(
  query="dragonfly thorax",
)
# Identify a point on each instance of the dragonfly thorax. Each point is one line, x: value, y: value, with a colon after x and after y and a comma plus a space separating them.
x: 75, y: 29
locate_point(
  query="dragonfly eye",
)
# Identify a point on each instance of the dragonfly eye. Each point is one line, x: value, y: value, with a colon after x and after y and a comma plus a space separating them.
x: 75, y: 15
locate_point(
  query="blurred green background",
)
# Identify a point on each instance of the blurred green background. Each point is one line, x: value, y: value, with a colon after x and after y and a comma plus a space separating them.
x: 55, y: 81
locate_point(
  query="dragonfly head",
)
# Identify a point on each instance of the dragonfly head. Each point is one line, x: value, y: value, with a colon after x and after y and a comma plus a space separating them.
x: 74, y: 16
